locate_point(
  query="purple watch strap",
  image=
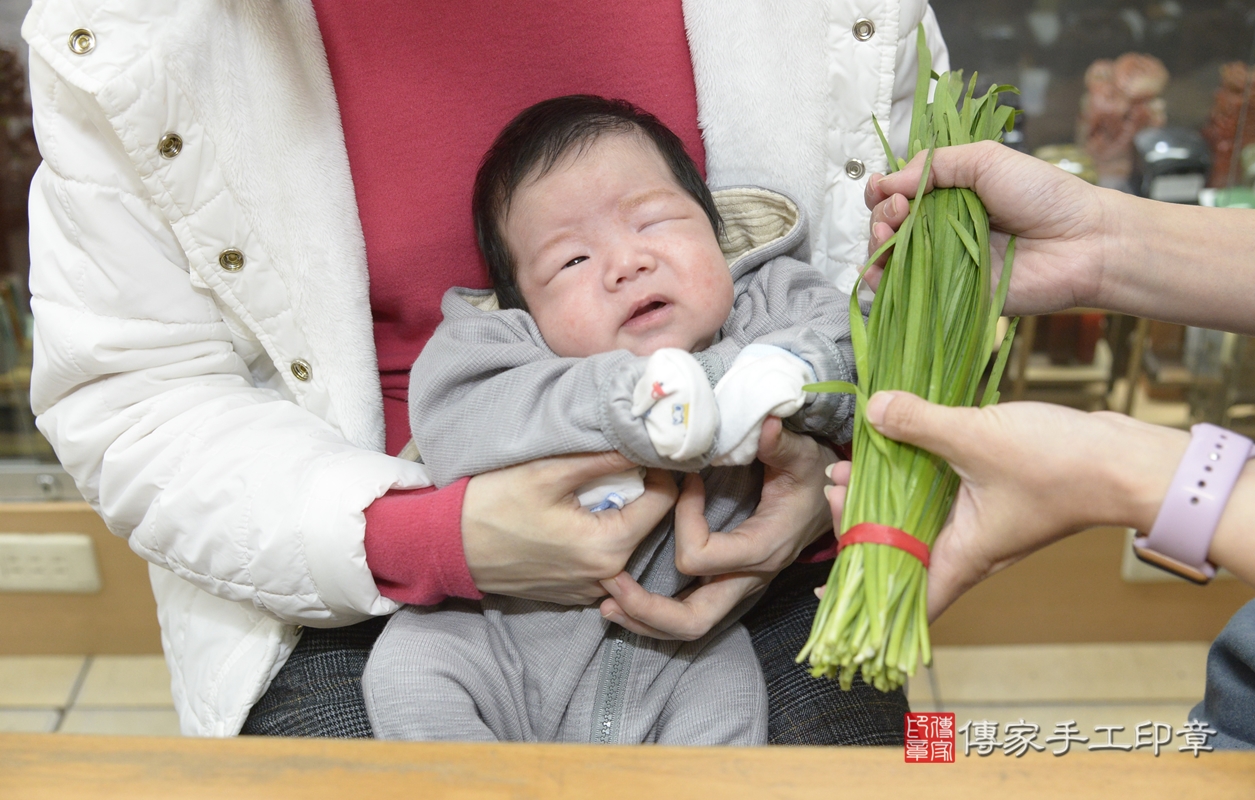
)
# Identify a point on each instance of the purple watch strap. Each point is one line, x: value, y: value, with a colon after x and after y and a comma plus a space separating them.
x: 1200, y: 490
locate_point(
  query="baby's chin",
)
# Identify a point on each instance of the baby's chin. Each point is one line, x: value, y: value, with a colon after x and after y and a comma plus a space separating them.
x: 688, y: 343
x: 637, y: 345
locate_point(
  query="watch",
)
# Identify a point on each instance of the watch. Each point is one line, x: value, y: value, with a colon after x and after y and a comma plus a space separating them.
x: 1179, y: 540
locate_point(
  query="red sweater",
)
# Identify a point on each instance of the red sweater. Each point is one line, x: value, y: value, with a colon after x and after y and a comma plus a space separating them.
x: 424, y: 86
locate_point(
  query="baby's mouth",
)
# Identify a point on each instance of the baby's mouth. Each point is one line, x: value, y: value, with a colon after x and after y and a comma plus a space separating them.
x: 646, y: 308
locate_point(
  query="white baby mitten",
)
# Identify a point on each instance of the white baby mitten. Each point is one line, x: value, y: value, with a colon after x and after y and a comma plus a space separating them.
x: 612, y: 491
x: 763, y: 381
x: 675, y: 398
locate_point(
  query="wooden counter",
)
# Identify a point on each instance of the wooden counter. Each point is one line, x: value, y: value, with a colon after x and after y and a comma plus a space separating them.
x: 87, y: 767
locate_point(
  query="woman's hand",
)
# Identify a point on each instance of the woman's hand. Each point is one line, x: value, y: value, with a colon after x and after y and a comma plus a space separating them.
x: 1031, y: 474
x: 1060, y: 220
x: 733, y: 565
x: 1079, y: 245
x: 525, y: 535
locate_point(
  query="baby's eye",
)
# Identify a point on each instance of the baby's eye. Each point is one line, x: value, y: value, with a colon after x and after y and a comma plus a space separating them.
x: 656, y: 220
x: 574, y: 261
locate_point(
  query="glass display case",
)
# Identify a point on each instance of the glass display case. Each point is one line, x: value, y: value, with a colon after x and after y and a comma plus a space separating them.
x: 1046, y: 47
x: 19, y: 157
x: 28, y: 467
x: 1150, y: 97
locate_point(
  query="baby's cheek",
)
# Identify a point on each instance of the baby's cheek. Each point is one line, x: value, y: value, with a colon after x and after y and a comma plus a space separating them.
x: 573, y: 330
x: 718, y: 293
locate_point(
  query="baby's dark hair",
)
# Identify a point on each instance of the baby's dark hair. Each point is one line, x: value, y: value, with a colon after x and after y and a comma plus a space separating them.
x: 535, y: 141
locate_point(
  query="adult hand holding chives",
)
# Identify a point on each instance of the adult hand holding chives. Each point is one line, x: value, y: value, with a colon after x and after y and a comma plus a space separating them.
x: 1030, y: 474
x: 1058, y: 218
x: 1080, y: 245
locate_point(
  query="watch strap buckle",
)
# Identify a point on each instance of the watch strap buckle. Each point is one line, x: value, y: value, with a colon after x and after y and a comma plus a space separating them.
x: 1200, y: 575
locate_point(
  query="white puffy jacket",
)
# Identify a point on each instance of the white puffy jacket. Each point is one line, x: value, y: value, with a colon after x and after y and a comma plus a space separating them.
x: 204, y: 356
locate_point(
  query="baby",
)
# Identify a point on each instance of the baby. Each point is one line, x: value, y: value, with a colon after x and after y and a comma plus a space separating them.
x: 633, y: 310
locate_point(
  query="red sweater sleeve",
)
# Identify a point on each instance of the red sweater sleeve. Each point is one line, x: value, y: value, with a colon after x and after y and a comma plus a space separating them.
x: 414, y: 545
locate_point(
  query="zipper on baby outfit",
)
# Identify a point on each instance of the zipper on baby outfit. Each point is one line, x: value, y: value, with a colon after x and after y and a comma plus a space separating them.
x: 658, y: 554
x: 612, y: 685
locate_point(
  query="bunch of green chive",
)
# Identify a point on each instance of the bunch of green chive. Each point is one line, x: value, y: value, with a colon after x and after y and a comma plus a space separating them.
x: 931, y: 332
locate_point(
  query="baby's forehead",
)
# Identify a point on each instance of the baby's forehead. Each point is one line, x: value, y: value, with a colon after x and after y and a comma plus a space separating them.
x: 600, y: 146
x: 548, y: 176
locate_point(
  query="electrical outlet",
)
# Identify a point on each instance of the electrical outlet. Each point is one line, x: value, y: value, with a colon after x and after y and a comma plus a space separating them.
x: 48, y: 562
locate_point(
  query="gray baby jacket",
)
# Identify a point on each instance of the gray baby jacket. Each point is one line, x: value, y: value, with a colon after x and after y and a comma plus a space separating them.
x: 486, y: 393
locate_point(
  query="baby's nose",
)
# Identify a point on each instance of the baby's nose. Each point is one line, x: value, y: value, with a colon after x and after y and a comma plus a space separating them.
x: 631, y: 265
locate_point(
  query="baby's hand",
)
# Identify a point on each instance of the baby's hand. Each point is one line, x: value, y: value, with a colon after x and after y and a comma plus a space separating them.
x: 763, y: 381
x: 675, y: 398
x: 612, y: 491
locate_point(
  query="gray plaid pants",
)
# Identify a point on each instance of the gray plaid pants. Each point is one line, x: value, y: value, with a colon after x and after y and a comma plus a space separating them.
x: 318, y: 692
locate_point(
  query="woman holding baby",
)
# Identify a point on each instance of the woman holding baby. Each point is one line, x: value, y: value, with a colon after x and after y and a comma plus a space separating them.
x: 244, y: 223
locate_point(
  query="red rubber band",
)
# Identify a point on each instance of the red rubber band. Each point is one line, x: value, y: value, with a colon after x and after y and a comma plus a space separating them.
x: 873, y: 533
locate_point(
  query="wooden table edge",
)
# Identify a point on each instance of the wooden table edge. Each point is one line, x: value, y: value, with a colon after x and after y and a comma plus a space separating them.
x: 57, y: 765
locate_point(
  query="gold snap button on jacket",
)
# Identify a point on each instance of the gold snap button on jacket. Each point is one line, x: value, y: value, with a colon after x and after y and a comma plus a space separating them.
x: 171, y: 145
x: 301, y: 370
x: 855, y: 168
x: 231, y: 260
x: 82, y: 42
x: 864, y: 29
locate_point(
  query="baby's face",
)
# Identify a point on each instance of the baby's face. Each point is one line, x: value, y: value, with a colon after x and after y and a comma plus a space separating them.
x: 613, y: 254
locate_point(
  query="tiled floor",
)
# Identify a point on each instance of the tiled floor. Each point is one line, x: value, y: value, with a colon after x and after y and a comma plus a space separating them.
x: 1093, y: 684
x: 86, y: 694
x: 1046, y: 685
